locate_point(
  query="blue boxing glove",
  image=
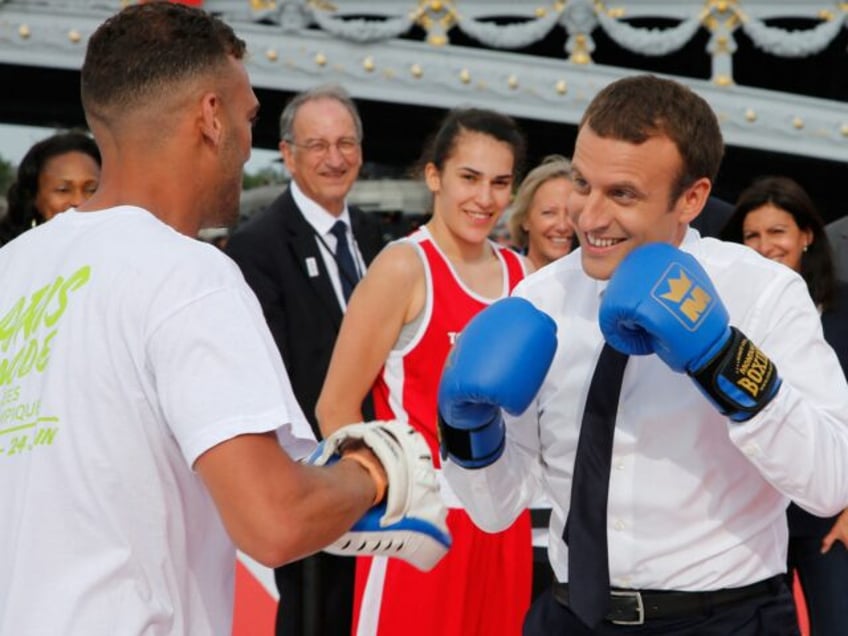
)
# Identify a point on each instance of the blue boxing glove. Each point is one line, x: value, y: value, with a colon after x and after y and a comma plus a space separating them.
x: 660, y: 300
x: 499, y: 361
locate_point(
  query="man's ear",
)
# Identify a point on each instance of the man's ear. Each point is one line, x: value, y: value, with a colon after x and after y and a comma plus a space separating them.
x: 210, y: 118
x: 286, y: 153
x: 693, y: 199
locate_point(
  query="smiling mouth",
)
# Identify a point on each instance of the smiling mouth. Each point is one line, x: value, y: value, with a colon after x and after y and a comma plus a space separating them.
x: 595, y: 241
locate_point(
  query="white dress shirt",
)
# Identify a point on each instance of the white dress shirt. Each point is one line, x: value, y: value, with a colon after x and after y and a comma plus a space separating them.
x: 696, y: 502
x: 322, y: 222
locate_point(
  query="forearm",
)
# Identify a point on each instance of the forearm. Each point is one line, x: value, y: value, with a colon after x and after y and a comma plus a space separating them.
x: 330, y: 501
x: 493, y: 496
x: 383, y: 303
x: 333, y: 413
x: 277, y: 510
x: 799, y: 443
x: 347, y: 383
x: 801, y: 449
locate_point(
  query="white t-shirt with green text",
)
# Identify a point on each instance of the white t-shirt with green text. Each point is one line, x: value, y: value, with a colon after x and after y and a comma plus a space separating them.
x: 126, y: 351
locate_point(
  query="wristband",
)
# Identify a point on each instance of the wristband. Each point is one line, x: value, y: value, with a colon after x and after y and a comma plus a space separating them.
x: 375, y: 469
x: 740, y: 379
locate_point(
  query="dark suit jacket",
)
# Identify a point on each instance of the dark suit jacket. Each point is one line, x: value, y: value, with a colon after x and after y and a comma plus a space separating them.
x: 835, y: 325
x: 837, y: 234
x: 712, y: 218
x: 302, y: 311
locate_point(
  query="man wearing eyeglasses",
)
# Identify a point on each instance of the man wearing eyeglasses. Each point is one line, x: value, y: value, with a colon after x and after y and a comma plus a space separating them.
x: 303, y: 255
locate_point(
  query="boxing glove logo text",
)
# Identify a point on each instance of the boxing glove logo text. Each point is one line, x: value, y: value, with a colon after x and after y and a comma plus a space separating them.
x: 679, y: 292
x: 753, y: 369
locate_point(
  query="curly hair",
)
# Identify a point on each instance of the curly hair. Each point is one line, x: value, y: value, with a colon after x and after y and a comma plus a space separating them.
x: 22, y: 212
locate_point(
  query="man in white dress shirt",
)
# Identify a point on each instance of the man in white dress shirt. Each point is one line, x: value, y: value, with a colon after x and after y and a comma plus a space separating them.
x: 695, y: 521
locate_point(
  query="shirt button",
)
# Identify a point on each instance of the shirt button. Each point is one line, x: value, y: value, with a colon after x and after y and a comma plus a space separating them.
x: 619, y: 465
x: 619, y: 524
x: 751, y: 449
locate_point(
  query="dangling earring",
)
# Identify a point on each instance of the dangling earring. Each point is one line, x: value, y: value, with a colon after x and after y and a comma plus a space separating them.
x: 805, y: 248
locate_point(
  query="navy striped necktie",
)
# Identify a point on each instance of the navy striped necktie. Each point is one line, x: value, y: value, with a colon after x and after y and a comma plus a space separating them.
x: 586, y: 529
x: 348, y: 274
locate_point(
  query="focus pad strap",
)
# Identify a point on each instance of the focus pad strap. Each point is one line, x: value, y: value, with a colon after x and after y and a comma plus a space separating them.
x: 740, y: 378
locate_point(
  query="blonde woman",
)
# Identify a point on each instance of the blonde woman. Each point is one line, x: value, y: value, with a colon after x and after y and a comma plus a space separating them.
x: 538, y: 221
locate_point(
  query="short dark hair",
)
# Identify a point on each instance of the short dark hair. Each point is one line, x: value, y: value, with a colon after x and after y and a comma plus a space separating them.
x: 638, y: 107
x: 817, y: 266
x: 142, y: 50
x: 488, y: 122
x: 22, y: 213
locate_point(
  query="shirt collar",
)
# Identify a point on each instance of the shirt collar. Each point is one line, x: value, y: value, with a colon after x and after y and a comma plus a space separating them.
x: 319, y: 218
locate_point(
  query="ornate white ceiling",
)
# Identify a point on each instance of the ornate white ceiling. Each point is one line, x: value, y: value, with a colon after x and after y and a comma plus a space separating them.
x: 376, y: 49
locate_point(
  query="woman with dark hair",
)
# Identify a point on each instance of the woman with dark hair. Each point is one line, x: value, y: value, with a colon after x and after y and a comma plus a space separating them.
x: 400, y: 325
x: 57, y: 173
x: 776, y: 217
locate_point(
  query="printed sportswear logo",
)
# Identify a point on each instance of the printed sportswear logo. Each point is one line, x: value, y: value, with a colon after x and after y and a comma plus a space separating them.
x: 24, y: 344
x: 27, y: 331
x: 679, y: 292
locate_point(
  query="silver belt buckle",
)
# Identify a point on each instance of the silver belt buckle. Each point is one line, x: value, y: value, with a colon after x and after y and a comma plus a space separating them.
x: 640, y: 606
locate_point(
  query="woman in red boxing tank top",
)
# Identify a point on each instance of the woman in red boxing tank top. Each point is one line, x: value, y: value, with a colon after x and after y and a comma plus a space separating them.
x: 400, y: 324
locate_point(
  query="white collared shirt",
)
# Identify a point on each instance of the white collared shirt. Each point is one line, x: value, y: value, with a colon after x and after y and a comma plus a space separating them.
x: 322, y: 222
x: 696, y: 502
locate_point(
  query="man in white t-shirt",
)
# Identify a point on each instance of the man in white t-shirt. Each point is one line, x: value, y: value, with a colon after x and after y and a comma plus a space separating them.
x: 143, y: 405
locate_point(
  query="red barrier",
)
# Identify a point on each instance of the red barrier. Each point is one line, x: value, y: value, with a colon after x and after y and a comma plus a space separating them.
x: 255, y: 610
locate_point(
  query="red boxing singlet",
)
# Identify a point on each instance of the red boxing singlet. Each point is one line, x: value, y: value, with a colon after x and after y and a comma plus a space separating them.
x: 482, y: 587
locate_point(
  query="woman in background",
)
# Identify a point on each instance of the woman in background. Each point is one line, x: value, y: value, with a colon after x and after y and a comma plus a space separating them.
x: 400, y: 324
x: 777, y: 218
x: 538, y: 221
x: 57, y: 173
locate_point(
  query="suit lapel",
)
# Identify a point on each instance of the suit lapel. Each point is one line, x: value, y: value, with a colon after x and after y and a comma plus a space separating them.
x: 301, y: 239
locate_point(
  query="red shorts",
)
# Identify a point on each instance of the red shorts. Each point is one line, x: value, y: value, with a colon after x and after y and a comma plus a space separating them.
x: 482, y: 587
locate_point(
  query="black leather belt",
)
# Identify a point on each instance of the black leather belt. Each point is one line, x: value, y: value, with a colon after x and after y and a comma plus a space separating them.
x: 634, y: 607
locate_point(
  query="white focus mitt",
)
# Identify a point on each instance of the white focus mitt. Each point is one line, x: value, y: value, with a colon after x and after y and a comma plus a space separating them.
x: 410, y: 523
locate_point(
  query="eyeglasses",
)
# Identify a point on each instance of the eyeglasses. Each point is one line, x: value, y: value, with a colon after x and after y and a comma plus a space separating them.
x: 320, y: 147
